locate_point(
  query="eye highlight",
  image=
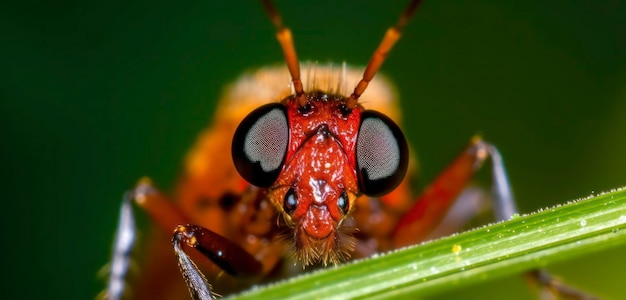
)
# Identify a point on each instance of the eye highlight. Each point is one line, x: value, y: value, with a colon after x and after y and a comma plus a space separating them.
x: 260, y: 144
x: 290, y: 202
x: 381, y: 154
x: 343, y: 203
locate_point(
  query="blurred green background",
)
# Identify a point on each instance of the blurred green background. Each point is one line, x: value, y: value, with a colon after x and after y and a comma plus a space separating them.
x: 95, y: 94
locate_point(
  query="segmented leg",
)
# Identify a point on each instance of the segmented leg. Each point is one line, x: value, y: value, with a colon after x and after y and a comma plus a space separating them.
x: 432, y: 205
x: 224, y: 253
x: 199, y: 287
x: 122, y: 246
x: 125, y: 236
x: 551, y: 288
x: 227, y: 255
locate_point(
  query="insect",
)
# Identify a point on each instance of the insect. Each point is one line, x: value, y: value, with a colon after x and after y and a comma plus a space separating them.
x: 317, y: 177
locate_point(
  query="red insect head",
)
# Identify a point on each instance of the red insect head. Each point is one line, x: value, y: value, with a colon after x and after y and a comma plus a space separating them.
x: 314, y: 160
x: 318, y: 182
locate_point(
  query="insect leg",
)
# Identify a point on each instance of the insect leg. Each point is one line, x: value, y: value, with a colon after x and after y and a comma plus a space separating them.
x: 552, y: 288
x: 503, y: 201
x: 504, y: 208
x: 160, y: 210
x: 439, y: 196
x: 122, y: 246
x: 471, y: 202
x: 432, y: 205
x: 224, y: 253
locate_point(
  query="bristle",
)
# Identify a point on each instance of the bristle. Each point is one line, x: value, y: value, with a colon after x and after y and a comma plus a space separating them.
x: 341, y: 79
x: 314, y: 86
x: 334, y: 250
x: 327, y: 78
x: 309, y: 73
x: 332, y: 79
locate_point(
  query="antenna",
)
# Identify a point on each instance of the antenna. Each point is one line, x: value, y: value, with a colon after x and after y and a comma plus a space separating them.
x: 391, y: 37
x: 283, y: 34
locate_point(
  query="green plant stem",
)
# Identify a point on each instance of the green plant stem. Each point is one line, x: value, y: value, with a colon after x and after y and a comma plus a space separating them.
x: 520, y: 244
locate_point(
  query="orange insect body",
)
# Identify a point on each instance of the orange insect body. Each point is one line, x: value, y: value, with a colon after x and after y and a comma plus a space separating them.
x: 319, y: 164
x: 326, y: 170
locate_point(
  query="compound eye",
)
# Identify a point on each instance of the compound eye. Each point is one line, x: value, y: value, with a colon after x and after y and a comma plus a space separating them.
x: 260, y: 144
x: 381, y: 154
